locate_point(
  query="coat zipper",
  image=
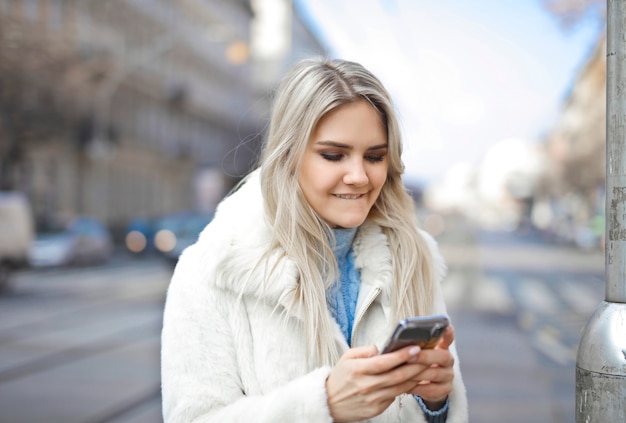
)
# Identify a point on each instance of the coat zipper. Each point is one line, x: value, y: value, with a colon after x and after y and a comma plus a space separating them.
x: 372, y: 296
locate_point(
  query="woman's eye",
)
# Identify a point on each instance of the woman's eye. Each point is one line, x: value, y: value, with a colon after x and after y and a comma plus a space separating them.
x: 331, y: 157
x: 375, y: 158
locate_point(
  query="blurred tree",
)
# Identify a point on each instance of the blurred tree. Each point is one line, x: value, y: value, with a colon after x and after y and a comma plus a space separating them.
x: 570, y: 12
x: 31, y: 111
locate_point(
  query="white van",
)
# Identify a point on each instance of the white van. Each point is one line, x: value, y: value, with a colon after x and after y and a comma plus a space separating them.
x: 17, y: 231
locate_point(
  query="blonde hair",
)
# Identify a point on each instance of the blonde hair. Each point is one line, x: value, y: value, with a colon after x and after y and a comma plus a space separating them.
x: 313, y: 88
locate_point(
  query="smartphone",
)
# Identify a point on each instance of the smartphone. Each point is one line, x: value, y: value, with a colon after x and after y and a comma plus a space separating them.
x: 424, y: 331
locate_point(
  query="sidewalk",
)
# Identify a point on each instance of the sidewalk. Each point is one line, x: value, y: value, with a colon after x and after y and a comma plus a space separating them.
x: 503, y: 379
x: 506, y: 377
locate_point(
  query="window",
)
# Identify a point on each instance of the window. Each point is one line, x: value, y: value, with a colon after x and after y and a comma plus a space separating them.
x: 31, y: 9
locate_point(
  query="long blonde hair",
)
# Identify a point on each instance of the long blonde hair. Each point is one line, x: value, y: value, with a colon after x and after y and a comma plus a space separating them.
x: 310, y: 90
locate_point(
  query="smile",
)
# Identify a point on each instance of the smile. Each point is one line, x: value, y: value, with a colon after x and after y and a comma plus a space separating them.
x: 349, y: 196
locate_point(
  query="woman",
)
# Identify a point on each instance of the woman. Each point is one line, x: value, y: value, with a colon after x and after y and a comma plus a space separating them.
x: 279, y: 310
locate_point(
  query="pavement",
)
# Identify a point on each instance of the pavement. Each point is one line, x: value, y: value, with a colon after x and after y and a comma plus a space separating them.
x: 516, y: 371
x: 82, y: 345
x: 504, y: 381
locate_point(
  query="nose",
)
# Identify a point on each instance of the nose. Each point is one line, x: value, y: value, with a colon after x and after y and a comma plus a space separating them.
x: 355, y: 174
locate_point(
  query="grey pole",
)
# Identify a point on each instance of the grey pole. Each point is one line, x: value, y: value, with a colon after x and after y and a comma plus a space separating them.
x: 601, y: 361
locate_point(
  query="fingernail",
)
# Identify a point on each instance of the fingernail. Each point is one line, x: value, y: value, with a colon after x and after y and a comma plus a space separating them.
x: 414, y: 350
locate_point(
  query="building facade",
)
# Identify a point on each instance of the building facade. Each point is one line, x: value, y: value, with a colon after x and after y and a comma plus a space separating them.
x: 134, y: 107
x: 572, y: 189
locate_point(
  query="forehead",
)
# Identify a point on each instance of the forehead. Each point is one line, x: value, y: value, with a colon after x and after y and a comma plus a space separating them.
x: 356, y: 120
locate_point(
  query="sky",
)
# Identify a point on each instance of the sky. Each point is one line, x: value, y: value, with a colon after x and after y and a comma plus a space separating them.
x: 464, y: 74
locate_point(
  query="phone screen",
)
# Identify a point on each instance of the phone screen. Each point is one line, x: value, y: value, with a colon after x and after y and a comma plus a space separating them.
x: 424, y: 331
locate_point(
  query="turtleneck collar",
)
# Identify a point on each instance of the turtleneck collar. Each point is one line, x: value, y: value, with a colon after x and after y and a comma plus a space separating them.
x: 344, y: 238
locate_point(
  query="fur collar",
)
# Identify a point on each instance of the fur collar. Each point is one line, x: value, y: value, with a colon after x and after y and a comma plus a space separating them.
x: 232, y: 244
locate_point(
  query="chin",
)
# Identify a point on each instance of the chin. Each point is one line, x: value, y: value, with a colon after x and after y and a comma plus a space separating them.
x: 346, y: 224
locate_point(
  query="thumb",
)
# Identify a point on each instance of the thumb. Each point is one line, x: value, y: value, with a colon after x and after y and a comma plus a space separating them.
x: 361, y: 352
x: 447, y: 338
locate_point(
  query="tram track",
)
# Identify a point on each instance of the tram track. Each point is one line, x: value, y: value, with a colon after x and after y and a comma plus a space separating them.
x: 57, y: 325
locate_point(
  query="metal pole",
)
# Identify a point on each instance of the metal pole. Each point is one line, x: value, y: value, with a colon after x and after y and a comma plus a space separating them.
x: 601, y: 361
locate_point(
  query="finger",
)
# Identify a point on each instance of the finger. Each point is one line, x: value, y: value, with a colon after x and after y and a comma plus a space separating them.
x: 435, y: 375
x: 391, y: 390
x: 361, y: 352
x: 399, y: 376
x: 432, y: 391
x: 446, y: 339
x: 437, y: 357
x: 388, y: 361
x: 398, y: 380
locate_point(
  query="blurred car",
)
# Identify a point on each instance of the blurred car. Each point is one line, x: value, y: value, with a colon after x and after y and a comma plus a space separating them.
x: 83, y: 241
x: 178, y: 231
x: 17, y: 231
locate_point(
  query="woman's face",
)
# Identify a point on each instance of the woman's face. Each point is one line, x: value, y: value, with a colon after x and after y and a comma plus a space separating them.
x: 345, y: 164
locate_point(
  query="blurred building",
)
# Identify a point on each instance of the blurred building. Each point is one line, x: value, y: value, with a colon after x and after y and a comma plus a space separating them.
x: 137, y: 107
x: 558, y: 186
x: 497, y: 191
x: 571, y: 193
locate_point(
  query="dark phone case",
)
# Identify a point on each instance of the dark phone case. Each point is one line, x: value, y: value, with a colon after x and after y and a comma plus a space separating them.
x: 424, y: 331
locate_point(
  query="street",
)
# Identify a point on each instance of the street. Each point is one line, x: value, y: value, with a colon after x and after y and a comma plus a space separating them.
x: 519, y: 306
x: 82, y: 344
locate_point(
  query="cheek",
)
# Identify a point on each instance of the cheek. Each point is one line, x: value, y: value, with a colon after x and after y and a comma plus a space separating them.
x: 321, y: 184
x: 379, y: 177
x: 304, y: 176
x: 312, y: 180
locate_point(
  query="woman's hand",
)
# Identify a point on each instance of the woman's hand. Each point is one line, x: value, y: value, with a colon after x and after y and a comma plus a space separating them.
x: 363, y: 383
x: 434, y: 383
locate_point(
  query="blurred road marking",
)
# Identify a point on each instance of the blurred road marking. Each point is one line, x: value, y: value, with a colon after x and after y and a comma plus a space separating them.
x: 534, y: 295
x: 526, y: 320
x: 482, y: 293
x: 547, y: 342
x: 91, y: 282
x: 581, y: 297
x: 453, y: 288
x: 490, y: 294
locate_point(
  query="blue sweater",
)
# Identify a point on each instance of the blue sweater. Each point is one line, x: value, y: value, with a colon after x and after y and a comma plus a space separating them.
x: 343, y: 294
x: 342, y: 297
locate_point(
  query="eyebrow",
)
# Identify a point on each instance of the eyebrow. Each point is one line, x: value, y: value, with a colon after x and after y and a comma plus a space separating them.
x: 349, y: 147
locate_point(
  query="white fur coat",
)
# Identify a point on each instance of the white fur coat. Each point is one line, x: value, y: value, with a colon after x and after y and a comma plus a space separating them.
x: 230, y: 361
